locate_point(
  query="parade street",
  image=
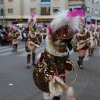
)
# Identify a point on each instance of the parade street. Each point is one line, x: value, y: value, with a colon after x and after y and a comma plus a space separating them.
x: 16, y: 80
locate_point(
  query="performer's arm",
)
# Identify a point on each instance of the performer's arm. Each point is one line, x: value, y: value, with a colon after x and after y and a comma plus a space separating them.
x: 36, y: 45
x: 82, y: 41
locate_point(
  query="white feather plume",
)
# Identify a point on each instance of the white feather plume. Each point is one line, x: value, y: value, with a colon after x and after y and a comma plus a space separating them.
x: 62, y: 19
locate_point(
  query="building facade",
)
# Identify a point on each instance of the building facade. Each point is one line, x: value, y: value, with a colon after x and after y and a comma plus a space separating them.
x: 92, y: 11
x: 18, y: 11
x: 76, y: 4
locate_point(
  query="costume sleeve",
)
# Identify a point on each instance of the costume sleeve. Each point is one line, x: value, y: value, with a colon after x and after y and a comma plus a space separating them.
x: 88, y: 35
x: 38, y: 39
x: 77, y: 37
x: 31, y: 43
x: 28, y: 36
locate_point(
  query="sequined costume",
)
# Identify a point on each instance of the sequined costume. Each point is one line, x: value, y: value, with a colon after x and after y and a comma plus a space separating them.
x: 80, y: 37
x: 53, y: 62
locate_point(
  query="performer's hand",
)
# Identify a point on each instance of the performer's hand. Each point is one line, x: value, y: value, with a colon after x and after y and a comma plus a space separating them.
x: 37, y: 45
x: 88, y: 39
x: 70, y: 94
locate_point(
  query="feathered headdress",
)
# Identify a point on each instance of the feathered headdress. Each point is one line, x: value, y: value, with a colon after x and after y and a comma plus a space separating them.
x: 91, y: 27
x: 65, y: 24
x: 32, y: 19
x: 98, y: 27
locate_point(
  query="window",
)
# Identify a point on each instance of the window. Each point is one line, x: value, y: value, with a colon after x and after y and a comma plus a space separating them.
x: 45, y: 11
x: 32, y: 10
x: 91, y: 11
x: 1, y: 1
x: 87, y: 9
x: 55, y: 9
x: 96, y: 12
x: 10, y: 10
x: 10, y: 0
x: 1, y: 11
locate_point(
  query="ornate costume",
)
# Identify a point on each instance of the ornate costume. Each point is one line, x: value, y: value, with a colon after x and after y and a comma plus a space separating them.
x: 92, y: 39
x: 98, y: 35
x: 49, y: 72
x: 79, y: 38
x: 15, y: 41
x: 82, y: 43
x: 32, y: 42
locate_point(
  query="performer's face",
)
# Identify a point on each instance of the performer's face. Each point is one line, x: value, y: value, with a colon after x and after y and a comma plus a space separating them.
x: 32, y: 20
x: 58, y: 42
x: 82, y: 30
x: 32, y: 32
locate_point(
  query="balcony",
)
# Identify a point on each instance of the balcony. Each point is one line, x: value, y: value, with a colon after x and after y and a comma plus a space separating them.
x: 75, y: 2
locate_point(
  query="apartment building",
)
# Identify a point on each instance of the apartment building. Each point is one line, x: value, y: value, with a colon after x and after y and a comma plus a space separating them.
x: 76, y: 4
x: 92, y: 11
x: 18, y: 11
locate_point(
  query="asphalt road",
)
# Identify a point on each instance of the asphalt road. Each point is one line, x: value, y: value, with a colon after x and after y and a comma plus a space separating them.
x: 16, y: 81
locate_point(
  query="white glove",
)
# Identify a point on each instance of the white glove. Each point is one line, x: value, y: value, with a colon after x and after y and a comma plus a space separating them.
x: 70, y: 94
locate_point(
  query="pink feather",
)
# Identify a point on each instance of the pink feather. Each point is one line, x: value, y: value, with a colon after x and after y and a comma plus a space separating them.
x: 76, y: 12
x: 50, y: 32
x: 33, y: 14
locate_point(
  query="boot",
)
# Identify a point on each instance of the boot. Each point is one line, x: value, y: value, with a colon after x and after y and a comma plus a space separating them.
x: 56, y: 98
x: 78, y: 62
x: 92, y: 50
x: 16, y: 47
x: 81, y: 62
x: 98, y: 43
x: 28, y: 60
x: 33, y: 59
x: 83, y: 57
x: 13, y: 48
x: 89, y: 51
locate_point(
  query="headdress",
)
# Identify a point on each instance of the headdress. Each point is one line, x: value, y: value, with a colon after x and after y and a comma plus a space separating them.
x: 31, y: 29
x: 91, y: 27
x: 98, y: 27
x: 65, y: 24
x: 32, y: 19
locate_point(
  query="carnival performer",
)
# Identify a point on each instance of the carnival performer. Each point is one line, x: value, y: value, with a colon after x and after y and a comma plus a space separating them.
x: 15, y: 41
x: 95, y: 35
x: 11, y: 34
x: 98, y: 35
x: 92, y: 39
x: 82, y: 44
x: 32, y: 21
x: 33, y: 42
x: 49, y: 72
